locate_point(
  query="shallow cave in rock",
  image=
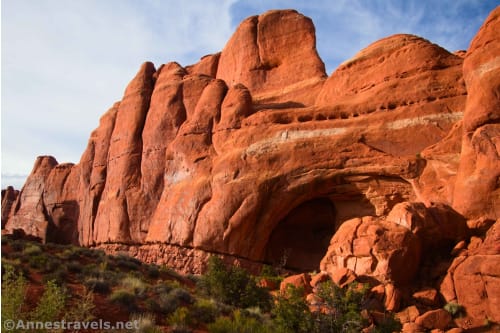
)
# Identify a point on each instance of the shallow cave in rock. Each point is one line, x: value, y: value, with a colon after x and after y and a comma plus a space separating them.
x: 301, y: 239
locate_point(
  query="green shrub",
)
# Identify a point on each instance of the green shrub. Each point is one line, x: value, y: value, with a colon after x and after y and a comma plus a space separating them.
x: 38, y: 261
x: 182, y: 295
x: 204, y: 311
x: 6, y: 240
x: 51, y: 305
x: 343, y: 306
x: 170, y: 272
x: 168, y: 302
x: 126, y: 262
x: 82, y: 307
x: 239, y: 323
x: 233, y: 286
x: 165, y: 287
x: 97, y: 285
x: 124, y: 298
x: 455, y: 309
x: 17, y: 245
x: 152, y: 271
x: 58, y: 276
x: 32, y: 249
x: 133, y: 284
x: 388, y: 325
x: 74, y: 266
x: 13, y: 295
x: 291, y: 312
x: 180, y: 320
x: 145, y: 323
x: 16, y: 265
x: 70, y: 253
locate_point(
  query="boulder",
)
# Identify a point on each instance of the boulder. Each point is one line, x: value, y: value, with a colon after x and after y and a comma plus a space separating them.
x: 408, y: 315
x: 434, y: 319
x: 374, y: 247
x: 428, y: 297
x: 300, y: 281
x: 473, y: 281
x: 435, y: 225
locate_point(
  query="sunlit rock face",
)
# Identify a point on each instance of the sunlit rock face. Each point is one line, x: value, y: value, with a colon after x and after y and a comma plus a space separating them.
x: 256, y: 154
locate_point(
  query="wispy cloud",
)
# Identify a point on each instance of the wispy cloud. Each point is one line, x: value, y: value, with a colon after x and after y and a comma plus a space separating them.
x: 64, y: 63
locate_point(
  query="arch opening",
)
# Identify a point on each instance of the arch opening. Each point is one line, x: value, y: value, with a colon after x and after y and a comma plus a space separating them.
x: 301, y: 239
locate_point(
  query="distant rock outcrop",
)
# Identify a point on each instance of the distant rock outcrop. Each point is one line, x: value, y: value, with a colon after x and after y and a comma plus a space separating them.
x: 255, y: 154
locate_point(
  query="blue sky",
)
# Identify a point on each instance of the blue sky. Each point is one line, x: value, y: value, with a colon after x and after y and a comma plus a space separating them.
x: 64, y: 63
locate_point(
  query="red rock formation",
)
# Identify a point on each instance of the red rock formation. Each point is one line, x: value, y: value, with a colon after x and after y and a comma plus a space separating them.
x: 30, y: 213
x: 473, y: 281
x: 259, y: 56
x: 477, y: 189
x: 9, y: 197
x: 376, y: 248
x: 254, y: 154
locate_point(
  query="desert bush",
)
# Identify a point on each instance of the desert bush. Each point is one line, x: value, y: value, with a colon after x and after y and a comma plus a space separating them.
x: 17, y: 245
x: 52, y: 264
x: 97, y: 285
x: 6, y: 240
x: 124, y: 298
x: 182, y: 295
x: 133, y: 284
x: 81, y: 308
x: 180, y: 320
x: 388, y: 325
x: 455, y: 309
x: 145, y: 323
x: 232, y: 286
x: 152, y: 271
x: 291, y: 312
x: 13, y: 295
x: 74, y: 266
x: 170, y: 272
x: 269, y: 273
x: 16, y: 265
x: 168, y: 302
x: 239, y: 323
x: 126, y: 262
x: 204, y: 311
x: 51, y: 305
x: 32, y: 249
x: 343, y: 308
x: 38, y: 261
x: 164, y: 287
x: 69, y: 253
x: 57, y: 276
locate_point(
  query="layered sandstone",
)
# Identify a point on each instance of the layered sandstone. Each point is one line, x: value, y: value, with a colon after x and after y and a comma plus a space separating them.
x: 254, y: 154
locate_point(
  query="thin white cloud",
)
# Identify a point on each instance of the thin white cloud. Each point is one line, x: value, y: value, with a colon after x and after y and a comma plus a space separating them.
x: 64, y: 63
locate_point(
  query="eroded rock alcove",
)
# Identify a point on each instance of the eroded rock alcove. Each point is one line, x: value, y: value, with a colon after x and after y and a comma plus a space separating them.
x: 301, y: 239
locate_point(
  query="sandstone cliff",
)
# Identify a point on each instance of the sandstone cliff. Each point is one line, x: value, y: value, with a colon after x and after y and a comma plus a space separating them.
x: 255, y: 154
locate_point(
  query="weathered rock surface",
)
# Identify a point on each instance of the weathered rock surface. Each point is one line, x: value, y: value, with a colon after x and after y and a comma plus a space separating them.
x: 473, y: 281
x: 436, y: 225
x: 477, y: 188
x: 9, y: 197
x: 30, y: 213
x: 256, y: 155
x: 374, y: 247
x: 259, y: 55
